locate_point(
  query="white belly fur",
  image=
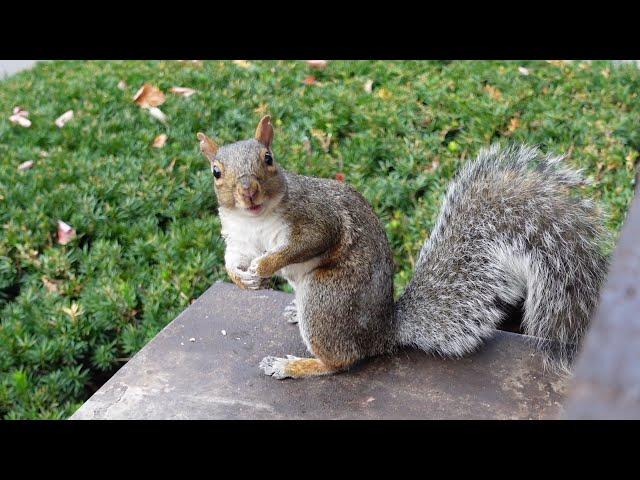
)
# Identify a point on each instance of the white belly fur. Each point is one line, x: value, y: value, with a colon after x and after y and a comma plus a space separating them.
x: 250, y: 237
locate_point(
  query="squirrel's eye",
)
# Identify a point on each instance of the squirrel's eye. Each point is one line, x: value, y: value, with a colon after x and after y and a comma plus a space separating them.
x: 268, y: 158
x: 216, y: 171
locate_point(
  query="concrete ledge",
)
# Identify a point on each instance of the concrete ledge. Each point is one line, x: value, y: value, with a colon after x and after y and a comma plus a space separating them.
x: 217, y: 377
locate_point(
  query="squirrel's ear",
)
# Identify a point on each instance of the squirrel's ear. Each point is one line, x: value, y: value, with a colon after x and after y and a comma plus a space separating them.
x: 207, y: 146
x: 264, y: 132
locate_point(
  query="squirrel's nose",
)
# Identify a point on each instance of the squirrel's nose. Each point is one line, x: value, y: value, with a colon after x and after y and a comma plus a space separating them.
x: 249, y: 190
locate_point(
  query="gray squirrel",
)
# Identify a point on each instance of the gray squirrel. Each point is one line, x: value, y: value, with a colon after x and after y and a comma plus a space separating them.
x: 511, y: 233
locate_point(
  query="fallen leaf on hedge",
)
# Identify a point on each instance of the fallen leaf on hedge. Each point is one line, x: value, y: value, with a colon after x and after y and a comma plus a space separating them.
x: 306, y: 144
x: 149, y: 96
x: 159, y: 141
x: 25, y: 165
x: 242, y: 63
x: 514, y: 123
x: 557, y: 63
x: 197, y: 63
x: 122, y: 85
x: 317, y: 64
x: 74, y: 311
x: 44, y: 154
x: 523, y: 71
x: 66, y: 233
x: 493, y: 92
x: 50, y: 285
x: 310, y: 80
x: 261, y: 109
x: 157, y: 113
x: 383, y: 93
x: 323, y: 138
x: 184, y: 91
x: 605, y: 73
x: 368, y: 86
x: 20, y: 117
x: 64, y: 118
x: 340, y: 177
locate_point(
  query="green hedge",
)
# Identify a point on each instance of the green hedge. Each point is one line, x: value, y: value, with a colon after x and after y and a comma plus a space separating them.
x: 148, y: 235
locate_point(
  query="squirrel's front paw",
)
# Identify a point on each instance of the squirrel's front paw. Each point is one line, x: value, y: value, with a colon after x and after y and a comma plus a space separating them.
x: 276, y: 367
x: 250, y: 279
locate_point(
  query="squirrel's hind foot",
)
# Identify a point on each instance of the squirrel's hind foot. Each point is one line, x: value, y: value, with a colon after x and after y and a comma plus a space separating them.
x: 293, y: 367
x: 291, y: 313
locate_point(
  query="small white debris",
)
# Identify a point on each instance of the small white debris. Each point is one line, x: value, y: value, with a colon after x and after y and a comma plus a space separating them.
x: 25, y: 165
x: 122, y: 85
x: 237, y: 338
x: 20, y: 117
x: 223, y: 332
x: 523, y: 71
x: 157, y: 114
x: 192, y: 339
x: 64, y: 118
x: 368, y: 86
x: 181, y: 343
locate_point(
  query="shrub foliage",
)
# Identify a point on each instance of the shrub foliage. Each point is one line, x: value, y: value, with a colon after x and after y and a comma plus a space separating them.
x: 147, y: 232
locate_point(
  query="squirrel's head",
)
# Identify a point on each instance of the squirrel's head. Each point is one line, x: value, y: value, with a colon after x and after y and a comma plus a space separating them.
x: 246, y: 176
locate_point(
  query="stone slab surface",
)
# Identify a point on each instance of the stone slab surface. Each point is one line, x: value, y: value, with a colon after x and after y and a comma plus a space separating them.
x: 607, y: 377
x: 217, y: 376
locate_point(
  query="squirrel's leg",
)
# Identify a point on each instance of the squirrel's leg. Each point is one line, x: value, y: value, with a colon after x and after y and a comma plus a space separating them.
x: 296, y: 367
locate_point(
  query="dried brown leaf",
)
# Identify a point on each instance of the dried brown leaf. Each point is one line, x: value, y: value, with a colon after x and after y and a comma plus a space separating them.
x: 383, y: 93
x: 262, y: 109
x: 159, y: 141
x: 310, y: 80
x: 323, y: 138
x: 149, y: 96
x: 493, y: 92
x: 50, y: 285
x: 340, y: 177
x: 243, y: 64
x: 317, y: 64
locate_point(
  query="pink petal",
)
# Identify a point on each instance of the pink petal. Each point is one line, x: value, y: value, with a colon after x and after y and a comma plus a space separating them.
x: 66, y: 233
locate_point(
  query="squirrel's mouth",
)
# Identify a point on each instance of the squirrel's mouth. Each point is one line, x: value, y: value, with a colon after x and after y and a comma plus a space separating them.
x: 255, y: 209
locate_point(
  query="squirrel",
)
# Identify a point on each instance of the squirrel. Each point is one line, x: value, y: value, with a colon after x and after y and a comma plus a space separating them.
x: 510, y: 234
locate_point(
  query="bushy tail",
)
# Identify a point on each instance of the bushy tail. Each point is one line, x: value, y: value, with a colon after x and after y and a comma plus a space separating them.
x: 511, y: 233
